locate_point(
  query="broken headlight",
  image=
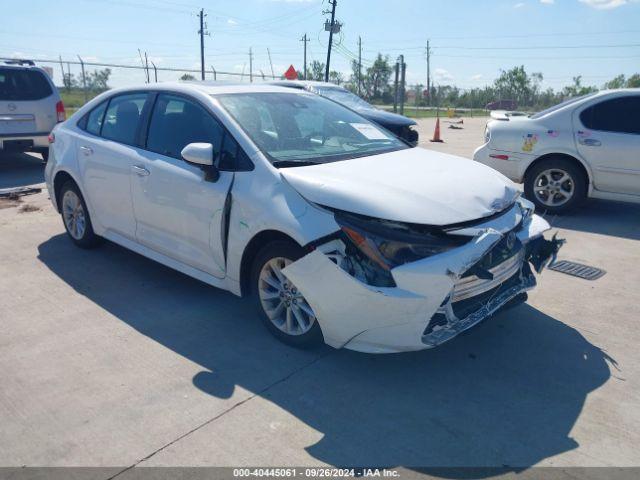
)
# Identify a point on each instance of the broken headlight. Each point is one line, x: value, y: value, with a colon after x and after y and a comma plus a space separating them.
x: 389, y: 244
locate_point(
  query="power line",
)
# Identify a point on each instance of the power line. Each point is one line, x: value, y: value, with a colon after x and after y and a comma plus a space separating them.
x: 543, y: 47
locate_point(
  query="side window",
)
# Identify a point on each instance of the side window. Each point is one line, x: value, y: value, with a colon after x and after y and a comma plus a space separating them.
x: 94, y: 119
x: 619, y: 115
x: 123, y: 117
x: 176, y: 122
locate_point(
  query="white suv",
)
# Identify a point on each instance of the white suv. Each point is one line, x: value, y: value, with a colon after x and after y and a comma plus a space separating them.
x: 585, y: 147
x: 338, y: 229
x: 30, y: 107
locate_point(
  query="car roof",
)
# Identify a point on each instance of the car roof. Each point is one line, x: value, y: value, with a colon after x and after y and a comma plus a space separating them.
x: 207, y: 87
x: 305, y: 84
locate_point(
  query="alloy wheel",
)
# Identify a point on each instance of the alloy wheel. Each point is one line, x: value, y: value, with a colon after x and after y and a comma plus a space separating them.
x: 554, y: 187
x: 283, y: 303
x: 73, y: 214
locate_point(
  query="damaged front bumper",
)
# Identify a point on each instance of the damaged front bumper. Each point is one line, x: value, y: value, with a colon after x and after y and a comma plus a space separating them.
x: 434, y: 299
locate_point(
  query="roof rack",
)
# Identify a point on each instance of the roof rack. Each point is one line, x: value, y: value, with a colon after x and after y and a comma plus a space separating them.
x: 18, y: 61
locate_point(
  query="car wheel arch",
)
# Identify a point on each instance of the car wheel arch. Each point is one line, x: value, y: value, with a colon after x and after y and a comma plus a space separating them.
x: 59, y: 180
x: 257, y: 242
x: 565, y: 156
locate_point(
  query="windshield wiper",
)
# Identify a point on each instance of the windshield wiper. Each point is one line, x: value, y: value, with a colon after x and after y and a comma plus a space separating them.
x: 293, y: 163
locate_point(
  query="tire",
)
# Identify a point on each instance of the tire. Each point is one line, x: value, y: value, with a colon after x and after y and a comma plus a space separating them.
x: 75, y: 216
x: 282, y: 307
x: 568, y: 191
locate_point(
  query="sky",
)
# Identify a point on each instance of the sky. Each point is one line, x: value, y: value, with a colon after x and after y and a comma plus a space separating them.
x: 471, y: 40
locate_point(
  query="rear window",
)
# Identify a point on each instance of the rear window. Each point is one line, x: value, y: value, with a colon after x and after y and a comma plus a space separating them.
x: 23, y: 84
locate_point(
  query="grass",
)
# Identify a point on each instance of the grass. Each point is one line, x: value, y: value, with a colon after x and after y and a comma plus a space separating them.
x: 413, y: 112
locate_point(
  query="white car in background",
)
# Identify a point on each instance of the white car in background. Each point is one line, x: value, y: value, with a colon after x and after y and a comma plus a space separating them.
x: 585, y: 147
x: 338, y: 230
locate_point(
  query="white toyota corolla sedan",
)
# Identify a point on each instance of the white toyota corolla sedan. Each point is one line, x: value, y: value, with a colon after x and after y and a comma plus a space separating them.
x: 338, y: 231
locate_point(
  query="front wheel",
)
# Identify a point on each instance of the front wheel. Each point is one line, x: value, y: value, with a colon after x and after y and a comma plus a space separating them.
x: 555, y: 185
x: 75, y: 216
x: 285, y: 311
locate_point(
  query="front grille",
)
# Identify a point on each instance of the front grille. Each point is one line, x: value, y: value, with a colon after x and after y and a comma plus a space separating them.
x: 501, y: 263
x: 463, y: 308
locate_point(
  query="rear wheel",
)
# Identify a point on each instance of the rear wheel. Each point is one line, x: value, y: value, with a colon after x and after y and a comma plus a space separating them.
x: 75, y: 216
x: 555, y: 185
x: 285, y: 311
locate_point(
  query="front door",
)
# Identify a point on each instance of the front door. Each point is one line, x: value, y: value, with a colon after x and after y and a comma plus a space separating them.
x: 178, y: 212
x: 607, y: 135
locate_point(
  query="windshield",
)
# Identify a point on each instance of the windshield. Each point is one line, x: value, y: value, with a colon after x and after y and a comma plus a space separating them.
x: 293, y: 128
x: 560, y: 105
x: 343, y: 97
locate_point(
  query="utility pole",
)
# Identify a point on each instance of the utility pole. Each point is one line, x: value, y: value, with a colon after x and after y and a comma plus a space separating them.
x: 359, y: 63
x: 250, y: 65
x: 403, y: 69
x: 428, y: 74
x: 331, y: 29
x: 202, y: 33
x: 305, y: 40
x: 273, y: 75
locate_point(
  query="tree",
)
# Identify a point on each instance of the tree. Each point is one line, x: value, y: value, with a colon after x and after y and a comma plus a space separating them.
x: 187, y: 77
x: 516, y: 84
x: 98, y: 79
x: 617, y: 82
x: 634, y: 81
x: 577, y: 89
x: 316, y: 71
x: 375, y: 81
x: 336, y: 77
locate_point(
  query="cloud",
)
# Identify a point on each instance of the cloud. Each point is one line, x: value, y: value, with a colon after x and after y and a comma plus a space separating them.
x: 477, y: 76
x: 231, y: 21
x: 442, y: 75
x: 605, y: 4
x: 548, y: 2
x: 519, y: 5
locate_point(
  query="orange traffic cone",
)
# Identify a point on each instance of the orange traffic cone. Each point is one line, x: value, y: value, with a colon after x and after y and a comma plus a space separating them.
x: 436, y: 133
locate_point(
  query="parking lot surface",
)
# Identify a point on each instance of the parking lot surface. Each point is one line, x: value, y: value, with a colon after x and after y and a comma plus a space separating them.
x: 110, y: 359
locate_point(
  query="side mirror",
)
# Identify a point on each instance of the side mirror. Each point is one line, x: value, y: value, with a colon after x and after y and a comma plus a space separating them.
x: 202, y: 154
x: 198, y: 153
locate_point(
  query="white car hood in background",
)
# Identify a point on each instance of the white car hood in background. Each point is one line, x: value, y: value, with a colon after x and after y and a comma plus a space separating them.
x: 413, y: 185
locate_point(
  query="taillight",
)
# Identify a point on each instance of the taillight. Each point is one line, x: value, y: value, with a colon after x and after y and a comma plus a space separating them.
x: 51, y: 137
x: 499, y: 157
x: 62, y: 116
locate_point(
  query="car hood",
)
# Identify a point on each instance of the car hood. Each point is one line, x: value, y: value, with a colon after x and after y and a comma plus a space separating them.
x: 412, y: 185
x: 387, y: 118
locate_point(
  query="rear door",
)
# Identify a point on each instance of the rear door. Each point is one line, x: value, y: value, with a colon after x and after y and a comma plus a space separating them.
x: 27, y: 102
x: 106, y: 154
x: 607, y: 135
x: 178, y: 212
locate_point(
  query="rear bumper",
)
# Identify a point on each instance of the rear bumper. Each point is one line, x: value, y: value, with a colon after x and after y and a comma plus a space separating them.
x: 512, y: 167
x: 12, y: 141
x: 433, y: 301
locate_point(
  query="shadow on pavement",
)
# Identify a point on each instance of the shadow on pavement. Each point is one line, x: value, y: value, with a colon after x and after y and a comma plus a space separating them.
x: 603, y: 217
x: 20, y: 170
x: 505, y: 394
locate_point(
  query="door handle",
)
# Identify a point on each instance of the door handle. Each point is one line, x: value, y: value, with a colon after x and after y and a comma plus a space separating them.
x: 86, y: 150
x: 590, y: 142
x: 140, y: 171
